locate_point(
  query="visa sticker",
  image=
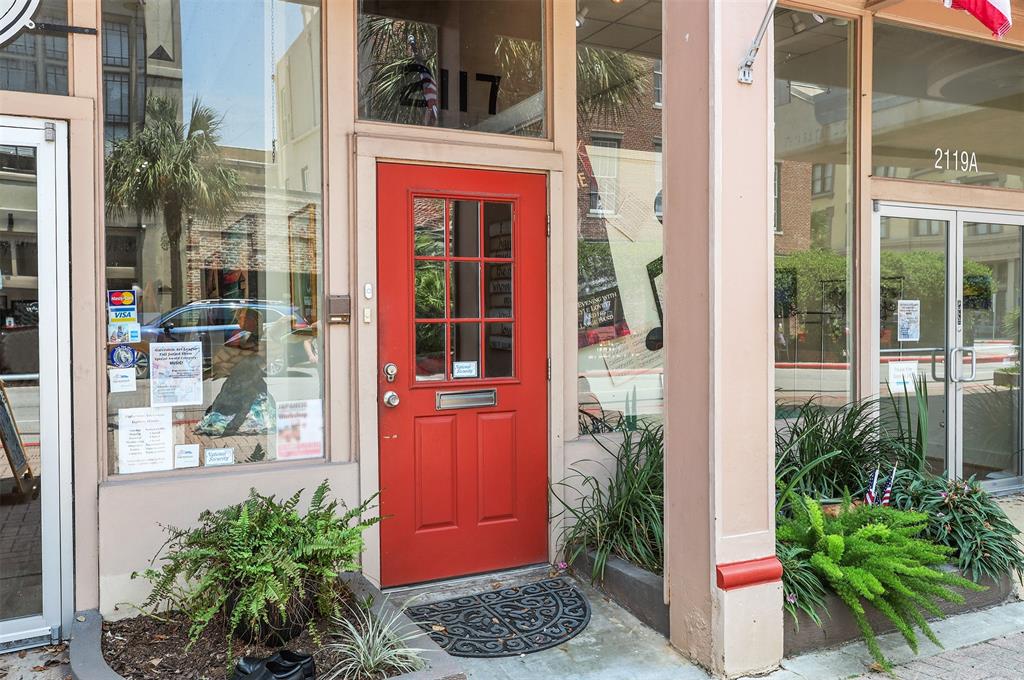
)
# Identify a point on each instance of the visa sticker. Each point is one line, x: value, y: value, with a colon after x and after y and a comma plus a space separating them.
x: 122, y: 315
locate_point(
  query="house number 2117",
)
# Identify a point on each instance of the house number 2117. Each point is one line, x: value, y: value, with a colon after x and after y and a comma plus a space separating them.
x: 957, y: 161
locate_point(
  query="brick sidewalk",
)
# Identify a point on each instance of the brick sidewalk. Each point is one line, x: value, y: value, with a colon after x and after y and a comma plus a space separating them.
x: 998, y: 659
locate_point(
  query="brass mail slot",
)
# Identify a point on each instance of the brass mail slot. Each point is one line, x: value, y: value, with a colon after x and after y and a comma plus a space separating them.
x: 445, y: 401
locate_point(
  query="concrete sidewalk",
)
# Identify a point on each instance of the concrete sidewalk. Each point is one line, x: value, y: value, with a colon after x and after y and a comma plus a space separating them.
x: 977, y: 645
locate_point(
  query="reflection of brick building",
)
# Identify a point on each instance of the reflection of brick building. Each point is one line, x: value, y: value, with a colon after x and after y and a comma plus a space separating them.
x: 637, y: 128
x: 250, y: 251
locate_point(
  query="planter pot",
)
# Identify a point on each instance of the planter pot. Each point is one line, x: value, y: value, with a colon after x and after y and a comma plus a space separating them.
x: 1005, y: 379
x: 636, y: 590
x: 276, y: 632
x: 838, y: 625
x: 87, y: 662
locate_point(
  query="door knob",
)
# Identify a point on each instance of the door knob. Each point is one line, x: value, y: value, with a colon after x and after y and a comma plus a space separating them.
x: 391, y: 399
x: 390, y: 370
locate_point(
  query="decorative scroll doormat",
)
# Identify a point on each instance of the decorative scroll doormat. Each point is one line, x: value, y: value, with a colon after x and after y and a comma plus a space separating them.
x: 506, y: 622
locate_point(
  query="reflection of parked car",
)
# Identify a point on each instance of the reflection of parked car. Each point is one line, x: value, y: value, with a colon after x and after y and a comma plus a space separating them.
x: 212, y: 322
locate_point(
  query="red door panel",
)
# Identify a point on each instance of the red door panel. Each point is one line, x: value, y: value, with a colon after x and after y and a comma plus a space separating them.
x: 462, y: 283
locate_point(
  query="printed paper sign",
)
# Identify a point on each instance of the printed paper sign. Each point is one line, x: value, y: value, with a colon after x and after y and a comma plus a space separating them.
x: 901, y: 376
x: 300, y: 429
x: 176, y: 374
x: 186, y: 456
x: 908, y: 320
x: 464, y: 369
x: 121, y: 380
x: 145, y: 440
x: 216, y: 457
x: 118, y: 333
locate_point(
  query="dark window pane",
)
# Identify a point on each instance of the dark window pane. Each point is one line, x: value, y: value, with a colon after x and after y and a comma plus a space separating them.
x: 36, y: 61
x: 465, y: 229
x: 500, y: 358
x: 498, y: 284
x: 498, y: 230
x: 461, y: 64
x: 465, y: 290
x: 430, y: 351
x: 959, y: 122
x: 430, y: 290
x: 465, y: 351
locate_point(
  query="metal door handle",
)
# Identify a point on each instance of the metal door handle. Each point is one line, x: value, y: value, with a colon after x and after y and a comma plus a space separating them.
x: 935, y: 355
x: 974, y: 362
x: 391, y: 399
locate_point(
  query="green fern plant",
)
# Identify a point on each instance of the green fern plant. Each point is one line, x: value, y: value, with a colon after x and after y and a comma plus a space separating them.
x: 873, y: 555
x: 262, y: 564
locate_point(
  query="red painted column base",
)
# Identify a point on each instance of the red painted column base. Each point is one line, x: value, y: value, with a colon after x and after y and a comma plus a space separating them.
x: 748, y: 573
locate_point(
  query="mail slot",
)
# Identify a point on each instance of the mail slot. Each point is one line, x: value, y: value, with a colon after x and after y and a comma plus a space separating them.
x: 446, y: 401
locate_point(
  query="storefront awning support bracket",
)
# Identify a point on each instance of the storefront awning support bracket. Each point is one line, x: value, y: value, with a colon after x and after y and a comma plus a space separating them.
x: 746, y: 71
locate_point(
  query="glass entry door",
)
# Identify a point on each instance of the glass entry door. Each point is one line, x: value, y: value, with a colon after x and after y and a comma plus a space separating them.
x: 950, y: 331
x: 35, y: 593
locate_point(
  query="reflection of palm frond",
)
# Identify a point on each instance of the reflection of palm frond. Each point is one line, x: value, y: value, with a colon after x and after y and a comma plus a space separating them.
x: 609, y: 84
x: 387, y: 80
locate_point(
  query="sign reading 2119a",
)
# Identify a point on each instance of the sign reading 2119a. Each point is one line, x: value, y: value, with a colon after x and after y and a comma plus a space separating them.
x: 14, y: 16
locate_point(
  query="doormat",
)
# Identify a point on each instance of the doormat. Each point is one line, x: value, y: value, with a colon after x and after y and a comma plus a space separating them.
x: 506, y: 622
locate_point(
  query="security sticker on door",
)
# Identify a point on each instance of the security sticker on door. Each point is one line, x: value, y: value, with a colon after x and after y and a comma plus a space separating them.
x: 464, y: 369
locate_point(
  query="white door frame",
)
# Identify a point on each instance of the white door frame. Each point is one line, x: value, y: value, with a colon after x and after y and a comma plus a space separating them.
x: 50, y: 140
x: 955, y: 218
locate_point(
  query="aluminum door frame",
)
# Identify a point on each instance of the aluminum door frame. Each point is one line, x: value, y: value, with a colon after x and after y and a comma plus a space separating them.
x: 50, y: 140
x: 1009, y: 219
x: 955, y: 218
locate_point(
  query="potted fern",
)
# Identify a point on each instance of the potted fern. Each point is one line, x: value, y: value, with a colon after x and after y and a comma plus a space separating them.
x: 263, y: 565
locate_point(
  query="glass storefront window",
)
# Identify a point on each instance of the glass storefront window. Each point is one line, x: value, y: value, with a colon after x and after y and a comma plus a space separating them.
x: 620, y: 247
x: 461, y: 64
x: 214, y: 224
x: 36, y: 60
x: 947, y: 109
x: 814, y: 209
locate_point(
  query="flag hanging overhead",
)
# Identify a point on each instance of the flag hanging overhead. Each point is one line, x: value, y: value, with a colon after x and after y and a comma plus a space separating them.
x: 995, y: 14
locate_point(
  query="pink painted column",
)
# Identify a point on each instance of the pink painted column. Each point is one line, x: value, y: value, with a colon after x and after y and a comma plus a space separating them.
x: 722, y: 578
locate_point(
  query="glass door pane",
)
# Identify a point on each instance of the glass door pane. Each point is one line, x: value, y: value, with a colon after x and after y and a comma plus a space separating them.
x: 989, y: 364
x: 21, y: 510
x: 913, y: 337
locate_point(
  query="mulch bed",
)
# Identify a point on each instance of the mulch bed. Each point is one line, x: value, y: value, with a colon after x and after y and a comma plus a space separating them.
x: 147, y: 648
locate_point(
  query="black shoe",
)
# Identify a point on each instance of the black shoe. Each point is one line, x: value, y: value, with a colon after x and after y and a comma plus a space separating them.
x: 250, y: 668
x: 304, y: 661
x: 282, y: 670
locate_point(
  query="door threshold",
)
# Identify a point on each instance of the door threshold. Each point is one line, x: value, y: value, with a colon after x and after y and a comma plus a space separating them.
x: 443, y: 589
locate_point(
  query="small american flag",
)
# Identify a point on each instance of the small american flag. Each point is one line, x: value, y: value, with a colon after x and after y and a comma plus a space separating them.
x: 428, y: 86
x: 887, y: 496
x: 869, y: 497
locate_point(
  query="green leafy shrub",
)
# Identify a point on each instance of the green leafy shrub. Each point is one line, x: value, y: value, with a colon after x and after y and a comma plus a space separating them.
x: 262, y: 564
x: 966, y: 518
x: 625, y: 515
x: 874, y: 555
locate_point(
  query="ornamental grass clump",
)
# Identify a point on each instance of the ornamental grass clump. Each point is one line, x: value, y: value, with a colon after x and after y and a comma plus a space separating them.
x: 966, y: 518
x: 873, y: 555
x: 262, y: 565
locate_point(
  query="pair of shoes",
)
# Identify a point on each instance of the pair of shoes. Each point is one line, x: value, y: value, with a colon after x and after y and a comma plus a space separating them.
x: 282, y: 665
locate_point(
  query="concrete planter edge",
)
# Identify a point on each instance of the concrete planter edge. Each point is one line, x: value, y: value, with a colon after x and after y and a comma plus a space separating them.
x: 638, y: 591
x: 87, y: 662
x: 839, y: 626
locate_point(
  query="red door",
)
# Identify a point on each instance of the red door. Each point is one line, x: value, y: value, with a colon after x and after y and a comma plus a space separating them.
x: 462, y: 282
